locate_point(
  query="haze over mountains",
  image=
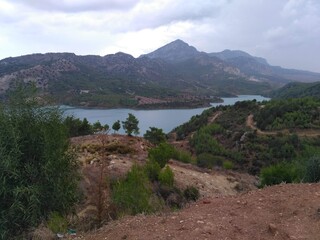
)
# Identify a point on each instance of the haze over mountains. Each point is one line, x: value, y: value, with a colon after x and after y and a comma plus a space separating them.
x: 171, y: 71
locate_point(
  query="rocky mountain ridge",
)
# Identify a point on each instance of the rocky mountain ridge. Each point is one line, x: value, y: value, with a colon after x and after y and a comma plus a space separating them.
x: 173, y: 70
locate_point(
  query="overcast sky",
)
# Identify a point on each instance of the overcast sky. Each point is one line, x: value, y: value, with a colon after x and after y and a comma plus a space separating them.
x: 285, y: 32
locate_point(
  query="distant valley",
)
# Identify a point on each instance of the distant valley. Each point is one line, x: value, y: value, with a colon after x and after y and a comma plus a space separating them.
x: 174, y: 76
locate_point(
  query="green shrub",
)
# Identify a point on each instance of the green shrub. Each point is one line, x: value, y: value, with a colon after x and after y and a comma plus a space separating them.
x: 164, y: 152
x: 312, y: 172
x: 182, y: 156
x: 203, y: 141
x: 132, y: 195
x: 207, y: 160
x: 276, y: 174
x: 57, y: 223
x: 38, y: 175
x: 166, y: 177
x: 161, y: 154
x: 152, y: 169
x: 227, y: 164
x: 155, y: 135
x: 191, y: 193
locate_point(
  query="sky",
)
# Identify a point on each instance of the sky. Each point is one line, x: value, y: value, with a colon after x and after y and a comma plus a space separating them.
x: 285, y: 32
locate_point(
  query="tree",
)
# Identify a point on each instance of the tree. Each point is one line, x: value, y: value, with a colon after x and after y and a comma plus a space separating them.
x: 77, y: 127
x: 155, y: 135
x: 85, y: 128
x: 97, y: 126
x: 38, y: 175
x: 116, y: 126
x: 131, y: 125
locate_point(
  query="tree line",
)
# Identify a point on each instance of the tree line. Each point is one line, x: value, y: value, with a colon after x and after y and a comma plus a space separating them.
x: 77, y: 127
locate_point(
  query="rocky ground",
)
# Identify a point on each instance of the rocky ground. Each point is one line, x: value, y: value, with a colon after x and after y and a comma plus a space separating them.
x: 288, y: 211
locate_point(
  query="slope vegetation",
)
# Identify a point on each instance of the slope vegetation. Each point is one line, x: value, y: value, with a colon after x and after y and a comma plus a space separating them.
x: 297, y: 90
x: 253, y: 135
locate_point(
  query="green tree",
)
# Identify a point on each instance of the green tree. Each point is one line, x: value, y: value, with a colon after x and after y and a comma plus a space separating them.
x: 85, y: 128
x: 38, y: 175
x: 131, y: 125
x: 155, y: 135
x: 116, y: 126
x: 97, y: 126
x: 77, y: 127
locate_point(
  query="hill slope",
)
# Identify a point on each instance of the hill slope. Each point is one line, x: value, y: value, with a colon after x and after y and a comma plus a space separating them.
x: 297, y: 90
x: 278, y: 212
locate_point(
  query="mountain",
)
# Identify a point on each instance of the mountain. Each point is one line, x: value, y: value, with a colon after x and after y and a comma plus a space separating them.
x: 176, y: 51
x: 231, y: 54
x: 297, y: 90
x: 259, y: 69
x: 253, y: 68
x: 175, y: 75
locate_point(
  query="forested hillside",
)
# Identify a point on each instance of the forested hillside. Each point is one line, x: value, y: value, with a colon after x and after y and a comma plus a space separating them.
x: 297, y: 90
x: 286, y: 132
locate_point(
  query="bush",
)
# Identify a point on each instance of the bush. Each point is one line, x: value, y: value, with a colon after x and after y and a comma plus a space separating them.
x: 38, y: 175
x: 152, y: 169
x: 166, y: 177
x: 132, y: 195
x: 164, y: 152
x: 207, y: 160
x: 227, y: 164
x: 173, y: 196
x: 57, y: 223
x: 312, y: 173
x: 276, y: 174
x: 191, y: 193
x: 203, y: 141
x: 161, y: 154
x: 182, y: 156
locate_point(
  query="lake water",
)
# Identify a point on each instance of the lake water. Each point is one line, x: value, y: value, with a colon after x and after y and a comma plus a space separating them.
x: 167, y: 119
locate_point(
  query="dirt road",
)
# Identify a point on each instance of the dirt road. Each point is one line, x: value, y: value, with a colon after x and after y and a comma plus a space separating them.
x: 300, y: 132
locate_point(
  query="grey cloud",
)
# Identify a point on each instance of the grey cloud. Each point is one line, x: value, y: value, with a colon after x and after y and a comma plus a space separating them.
x: 286, y: 32
x: 79, y: 5
x: 151, y: 15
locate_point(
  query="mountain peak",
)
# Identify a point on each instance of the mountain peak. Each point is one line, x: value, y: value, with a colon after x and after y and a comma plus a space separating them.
x: 175, y: 51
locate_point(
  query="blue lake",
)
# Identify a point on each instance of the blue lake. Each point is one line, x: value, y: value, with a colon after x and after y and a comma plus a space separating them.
x: 167, y: 119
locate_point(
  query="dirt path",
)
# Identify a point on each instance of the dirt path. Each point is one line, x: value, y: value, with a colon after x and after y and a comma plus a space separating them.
x: 280, y: 212
x: 300, y: 132
x: 214, y: 117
